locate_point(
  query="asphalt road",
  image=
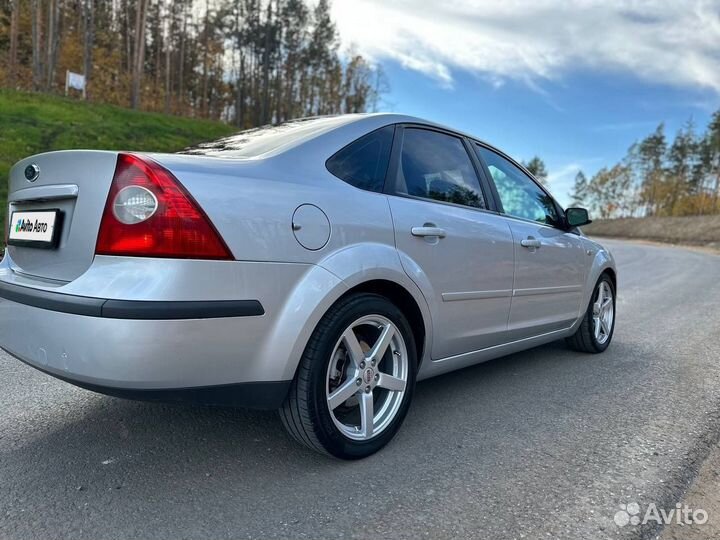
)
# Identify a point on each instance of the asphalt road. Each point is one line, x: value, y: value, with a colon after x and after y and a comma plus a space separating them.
x: 542, y: 444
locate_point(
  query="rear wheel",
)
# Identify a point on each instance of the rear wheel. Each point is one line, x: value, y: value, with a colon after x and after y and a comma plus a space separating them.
x: 596, y: 331
x: 355, y: 381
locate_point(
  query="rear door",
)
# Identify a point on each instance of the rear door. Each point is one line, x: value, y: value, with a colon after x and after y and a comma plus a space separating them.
x: 549, y: 262
x: 449, y: 243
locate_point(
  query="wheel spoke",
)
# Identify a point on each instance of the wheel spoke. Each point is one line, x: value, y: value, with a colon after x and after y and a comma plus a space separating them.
x: 353, y: 347
x: 388, y: 382
x: 367, y: 414
x: 381, y: 345
x: 342, y: 394
x: 597, y: 305
x: 596, y: 327
x: 604, y: 326
x: 602, y: 294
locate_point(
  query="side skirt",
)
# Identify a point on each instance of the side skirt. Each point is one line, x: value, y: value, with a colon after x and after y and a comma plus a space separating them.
x: 459, y: 361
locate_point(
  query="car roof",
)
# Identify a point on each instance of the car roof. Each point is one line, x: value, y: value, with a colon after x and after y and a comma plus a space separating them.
x: 274, y: 139
x: 397, y: 118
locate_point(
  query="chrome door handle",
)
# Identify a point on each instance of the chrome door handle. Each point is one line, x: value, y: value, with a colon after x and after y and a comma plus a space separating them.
x: 428, y: 230
x: 530, y: 242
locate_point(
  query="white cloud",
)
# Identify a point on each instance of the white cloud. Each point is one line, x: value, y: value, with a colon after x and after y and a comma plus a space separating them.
x: 674, y: 42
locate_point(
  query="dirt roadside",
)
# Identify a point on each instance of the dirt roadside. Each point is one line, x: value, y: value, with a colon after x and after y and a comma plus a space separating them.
x: 702, y: 249
x: 701, y: 231
x: 703, y: 494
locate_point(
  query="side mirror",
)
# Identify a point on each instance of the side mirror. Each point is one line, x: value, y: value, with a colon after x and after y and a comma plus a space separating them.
x: 576, y: 217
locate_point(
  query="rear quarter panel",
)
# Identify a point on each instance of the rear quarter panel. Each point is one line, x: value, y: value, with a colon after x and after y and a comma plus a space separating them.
x: 251, y: 201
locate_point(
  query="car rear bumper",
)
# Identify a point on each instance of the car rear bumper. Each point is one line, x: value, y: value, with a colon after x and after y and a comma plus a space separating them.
x: 24, y: 312
x: 171, y: 359
x: 256, y: 395
x: 165, y: 330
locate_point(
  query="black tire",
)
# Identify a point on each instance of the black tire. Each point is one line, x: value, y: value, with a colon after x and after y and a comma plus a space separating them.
x: 583, y: 339
x: 305, y: 412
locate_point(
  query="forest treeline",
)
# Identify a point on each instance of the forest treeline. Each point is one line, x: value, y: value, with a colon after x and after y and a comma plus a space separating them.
x: 246, y: 62
x: 254, y: 62
x: 659, y: 177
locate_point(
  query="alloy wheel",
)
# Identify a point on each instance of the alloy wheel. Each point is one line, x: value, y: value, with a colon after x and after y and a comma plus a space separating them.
x: 367, y: 377
x: 603, y: 313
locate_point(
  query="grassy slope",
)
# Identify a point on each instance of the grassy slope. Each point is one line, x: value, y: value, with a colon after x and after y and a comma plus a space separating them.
x: 34, y: 123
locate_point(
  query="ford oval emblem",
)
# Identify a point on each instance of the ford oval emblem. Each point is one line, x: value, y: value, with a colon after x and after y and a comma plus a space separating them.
x: 32, y: 172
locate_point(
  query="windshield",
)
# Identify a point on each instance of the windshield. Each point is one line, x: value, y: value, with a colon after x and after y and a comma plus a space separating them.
x: 263, y: 140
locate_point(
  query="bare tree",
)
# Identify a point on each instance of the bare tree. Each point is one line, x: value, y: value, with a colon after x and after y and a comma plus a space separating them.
x: 53, y: 41
x: 88, y: 18
x: 158, y: 40
x: 267, y: 44
x: 14, y: 24
x: 170, y: 27
x: 37, y: 27
x: 205, y: 61
x: 138, y: 63
x: 181, y: 60
x: 239, y: 81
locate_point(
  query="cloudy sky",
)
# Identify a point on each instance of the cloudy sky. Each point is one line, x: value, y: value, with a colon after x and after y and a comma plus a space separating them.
x: 574, y: 81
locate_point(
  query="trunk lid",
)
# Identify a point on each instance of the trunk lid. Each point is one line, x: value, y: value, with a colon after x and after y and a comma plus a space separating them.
x: 75, y: 182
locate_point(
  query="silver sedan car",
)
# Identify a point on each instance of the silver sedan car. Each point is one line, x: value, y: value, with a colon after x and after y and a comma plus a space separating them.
x: 320, y: 267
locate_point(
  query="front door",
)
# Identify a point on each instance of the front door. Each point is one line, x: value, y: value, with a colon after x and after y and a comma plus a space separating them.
x: 549, y: 262
x: 548, y: 280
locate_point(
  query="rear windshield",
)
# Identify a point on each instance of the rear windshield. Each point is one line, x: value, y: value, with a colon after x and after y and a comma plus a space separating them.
x: 268, y: 139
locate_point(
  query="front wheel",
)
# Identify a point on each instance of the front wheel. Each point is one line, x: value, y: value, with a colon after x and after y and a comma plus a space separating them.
x: 355, y: 380
x: 596, y: 330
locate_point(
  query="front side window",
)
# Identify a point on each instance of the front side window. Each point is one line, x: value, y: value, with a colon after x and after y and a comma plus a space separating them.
x: 520, y: 196
x: 436, y: 166
x: 364, y: 162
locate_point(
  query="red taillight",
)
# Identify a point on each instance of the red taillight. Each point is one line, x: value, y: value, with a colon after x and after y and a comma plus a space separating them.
x: 175, y: 227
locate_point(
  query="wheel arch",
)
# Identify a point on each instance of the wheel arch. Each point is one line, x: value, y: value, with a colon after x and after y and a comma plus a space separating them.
x: 364, y: 267
x: 405, y: 301
x: 602, y: 263
x: 613, y: 276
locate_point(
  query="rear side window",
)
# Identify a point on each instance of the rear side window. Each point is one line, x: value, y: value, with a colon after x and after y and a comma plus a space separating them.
x: 437, y: 166
x: 364, y: 162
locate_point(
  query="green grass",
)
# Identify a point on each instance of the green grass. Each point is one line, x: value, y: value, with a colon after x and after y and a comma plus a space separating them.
x: 34, y: 123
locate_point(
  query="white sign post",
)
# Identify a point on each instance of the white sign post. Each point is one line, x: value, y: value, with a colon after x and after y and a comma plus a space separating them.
x: 75, y: 80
